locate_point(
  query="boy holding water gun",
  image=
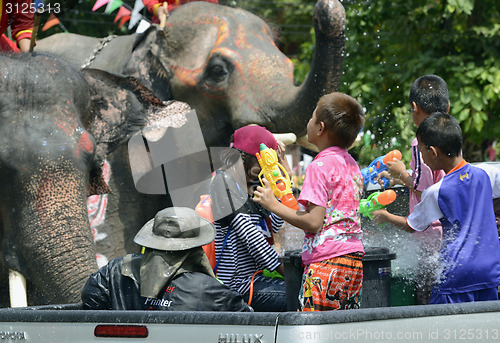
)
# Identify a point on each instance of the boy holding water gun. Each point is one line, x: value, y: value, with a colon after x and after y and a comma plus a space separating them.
x: 331, y: 193
x: 462, y: 201
x: 428, y: 94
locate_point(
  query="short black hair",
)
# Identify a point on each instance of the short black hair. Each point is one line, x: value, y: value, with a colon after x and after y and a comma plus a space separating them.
x: 442, y: 131
x: 342, y: 115
x: 430, y: 93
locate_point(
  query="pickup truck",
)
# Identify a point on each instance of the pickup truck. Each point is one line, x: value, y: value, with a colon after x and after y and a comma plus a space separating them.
x: 471, y: 322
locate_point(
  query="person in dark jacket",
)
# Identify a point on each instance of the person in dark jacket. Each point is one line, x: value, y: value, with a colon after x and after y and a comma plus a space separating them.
x: 173, y: 274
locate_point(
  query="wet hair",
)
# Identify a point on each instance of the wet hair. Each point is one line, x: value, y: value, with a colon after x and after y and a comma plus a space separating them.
x: 343, y: 117
x: 430, y: 93
x: 442, y: 131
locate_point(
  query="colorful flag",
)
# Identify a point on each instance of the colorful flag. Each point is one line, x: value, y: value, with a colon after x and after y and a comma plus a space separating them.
x: 122, y: 12
x: 123, y: 20
x: 143, y: 26
x: 99, y: 3
x: 136, y: 16
x: 38, y: 3
x: 50, y: 22
x: 113, y: 5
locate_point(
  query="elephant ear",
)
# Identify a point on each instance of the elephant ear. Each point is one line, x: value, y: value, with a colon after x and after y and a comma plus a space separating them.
x: 119, y: 107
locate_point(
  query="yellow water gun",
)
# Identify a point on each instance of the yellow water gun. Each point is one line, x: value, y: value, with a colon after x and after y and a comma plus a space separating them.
x: 273, y: 171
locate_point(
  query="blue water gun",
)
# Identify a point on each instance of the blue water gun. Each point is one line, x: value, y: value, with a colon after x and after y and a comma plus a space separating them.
x: 379, y: 165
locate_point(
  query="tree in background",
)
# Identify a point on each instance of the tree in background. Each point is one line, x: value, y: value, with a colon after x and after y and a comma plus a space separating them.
x: 390, y: 43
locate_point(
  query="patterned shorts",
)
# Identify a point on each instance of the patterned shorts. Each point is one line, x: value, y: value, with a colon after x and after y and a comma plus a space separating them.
x: 333, y: 284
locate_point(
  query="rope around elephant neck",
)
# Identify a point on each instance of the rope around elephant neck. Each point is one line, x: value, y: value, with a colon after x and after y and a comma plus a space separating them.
x: 102, y: 43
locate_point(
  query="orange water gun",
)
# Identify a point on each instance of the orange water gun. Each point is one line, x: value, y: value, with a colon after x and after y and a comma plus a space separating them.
x: 273, y: 171
x: 376, y: 201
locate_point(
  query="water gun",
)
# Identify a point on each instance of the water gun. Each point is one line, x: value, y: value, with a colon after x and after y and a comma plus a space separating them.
x: 379, y: 165
x: 272, y: 171
x: 376, y: 201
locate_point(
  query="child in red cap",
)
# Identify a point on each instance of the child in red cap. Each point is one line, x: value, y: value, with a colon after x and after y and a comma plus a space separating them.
x: 244, y: 238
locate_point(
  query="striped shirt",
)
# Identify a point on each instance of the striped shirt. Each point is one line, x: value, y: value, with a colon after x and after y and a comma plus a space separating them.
x: 246, y: 250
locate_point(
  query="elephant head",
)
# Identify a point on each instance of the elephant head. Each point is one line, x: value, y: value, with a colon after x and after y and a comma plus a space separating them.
x: 54, y: 132
x: 224, y: 63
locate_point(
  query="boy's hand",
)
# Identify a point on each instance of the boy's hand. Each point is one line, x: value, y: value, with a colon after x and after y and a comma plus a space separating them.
x: 380, y: 216
x: 385, y: 174
x: 396, y: 168
x: 282, y: 157
x: 265, y: 196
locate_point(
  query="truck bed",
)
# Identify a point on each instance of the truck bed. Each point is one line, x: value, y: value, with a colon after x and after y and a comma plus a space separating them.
x: 431, y: 323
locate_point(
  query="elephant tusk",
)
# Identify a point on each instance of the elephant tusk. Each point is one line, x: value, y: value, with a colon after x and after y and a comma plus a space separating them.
x: 302, y: 141
x: 286, y: 138
x: 17, y: 289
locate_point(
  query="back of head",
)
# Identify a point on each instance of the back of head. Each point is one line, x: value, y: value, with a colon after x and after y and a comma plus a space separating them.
x: 442, y: 131
x: 430, y: 93
x: 343, y: 117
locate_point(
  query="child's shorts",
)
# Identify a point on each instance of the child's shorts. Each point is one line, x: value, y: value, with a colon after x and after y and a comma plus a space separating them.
x: 333, y: 284
x: 453, y: 298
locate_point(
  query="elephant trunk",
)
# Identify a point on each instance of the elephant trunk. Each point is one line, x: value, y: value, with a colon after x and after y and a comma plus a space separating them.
x: 50, y: 240
x: 326, y: 68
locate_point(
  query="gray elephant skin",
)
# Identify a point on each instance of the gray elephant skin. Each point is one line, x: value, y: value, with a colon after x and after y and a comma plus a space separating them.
x: 223, y: 62
x: 57, y: 125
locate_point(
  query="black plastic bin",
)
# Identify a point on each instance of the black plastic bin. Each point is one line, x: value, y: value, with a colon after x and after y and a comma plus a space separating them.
x: 292, y: 261
x: 376, y: 289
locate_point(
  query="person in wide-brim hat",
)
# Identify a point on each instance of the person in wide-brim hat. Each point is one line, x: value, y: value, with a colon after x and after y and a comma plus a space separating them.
x: 174, y: 229
x: 173, y: 273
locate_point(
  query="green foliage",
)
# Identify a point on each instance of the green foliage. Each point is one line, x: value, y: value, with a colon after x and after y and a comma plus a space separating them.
x: 390, y: 43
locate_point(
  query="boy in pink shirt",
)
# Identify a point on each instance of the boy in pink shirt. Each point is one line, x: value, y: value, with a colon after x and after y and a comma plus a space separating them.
x: 428, y: 94
x: 331, y: 193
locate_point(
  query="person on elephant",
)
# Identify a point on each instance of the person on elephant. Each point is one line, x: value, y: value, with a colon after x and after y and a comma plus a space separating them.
x: 19, y: 15
x: 172, y: 274
x: 157, y: 8
x: 244, y: 229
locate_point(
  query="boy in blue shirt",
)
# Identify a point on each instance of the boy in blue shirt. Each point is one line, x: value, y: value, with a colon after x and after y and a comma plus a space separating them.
x: 462, y: 201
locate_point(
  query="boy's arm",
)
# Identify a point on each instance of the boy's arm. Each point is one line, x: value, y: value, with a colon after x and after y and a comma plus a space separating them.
x: 424, y: 213
x: 382, y: 216
x: 310, y: 220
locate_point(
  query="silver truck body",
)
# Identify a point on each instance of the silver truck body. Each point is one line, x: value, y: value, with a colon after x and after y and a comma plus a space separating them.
x: 472, y: 322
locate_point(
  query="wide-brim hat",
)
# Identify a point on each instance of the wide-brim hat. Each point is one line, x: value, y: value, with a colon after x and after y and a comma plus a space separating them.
x: 176, y: 228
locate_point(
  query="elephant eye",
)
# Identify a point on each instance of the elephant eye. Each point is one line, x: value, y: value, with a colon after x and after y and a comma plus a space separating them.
x: 217, y: 70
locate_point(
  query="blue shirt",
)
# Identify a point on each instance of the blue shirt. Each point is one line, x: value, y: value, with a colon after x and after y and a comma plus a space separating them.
x: 470, y: 249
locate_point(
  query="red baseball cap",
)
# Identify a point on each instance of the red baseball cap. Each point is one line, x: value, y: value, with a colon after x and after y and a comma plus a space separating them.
x: 248, y: 139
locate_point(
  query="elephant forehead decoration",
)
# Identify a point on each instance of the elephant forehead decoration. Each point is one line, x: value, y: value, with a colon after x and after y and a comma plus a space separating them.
x: 230, y: 44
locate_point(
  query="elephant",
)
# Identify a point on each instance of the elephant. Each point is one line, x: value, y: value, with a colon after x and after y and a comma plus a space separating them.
x: 57, y: 125
x: 223, y: 62
x: 218, y: 60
